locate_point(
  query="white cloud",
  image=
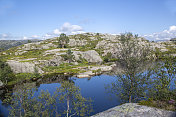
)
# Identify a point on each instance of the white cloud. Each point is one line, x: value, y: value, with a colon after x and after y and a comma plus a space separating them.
x: 68, y: 28
x: 172, y: 28
x: 34, y: 36
x: 164, y: 35
x: 25, y: 38
x: 57, y: 32
x: 47, y: 36
x: 6, y: 36
x: 31, y: 37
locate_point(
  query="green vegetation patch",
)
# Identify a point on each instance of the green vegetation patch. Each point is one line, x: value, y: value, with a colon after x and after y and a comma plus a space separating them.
x: 109, y: 58
x: 158, y: 104
x: 6, y: 73
x: 20, y: 77
x: 64, y: 68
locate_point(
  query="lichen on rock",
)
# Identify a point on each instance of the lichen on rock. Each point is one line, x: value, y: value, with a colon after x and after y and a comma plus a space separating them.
x: 135, y: 110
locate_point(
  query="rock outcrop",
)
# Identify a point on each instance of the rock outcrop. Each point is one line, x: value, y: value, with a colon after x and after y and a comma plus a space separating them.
x: 135, y: 110
x: 37, y: 46
x: 88, y: 48
x: 74, y: 42
x: 96, y: 70
x: 91, y: 56
x: 23, y: 67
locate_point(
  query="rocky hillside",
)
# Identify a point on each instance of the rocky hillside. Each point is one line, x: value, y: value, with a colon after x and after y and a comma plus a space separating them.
x: 93, y: 53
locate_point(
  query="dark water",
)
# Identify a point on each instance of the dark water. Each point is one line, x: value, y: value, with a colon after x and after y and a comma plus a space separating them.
x: 93, y: 88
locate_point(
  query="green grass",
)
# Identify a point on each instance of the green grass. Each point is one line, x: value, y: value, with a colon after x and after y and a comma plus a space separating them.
x: 20, y: 77
x: 26, y: 61
x: 66, y: 68
x: 163, y: 55
x: 158, y: 104
x: 171, y: 50
x: 63, y: 68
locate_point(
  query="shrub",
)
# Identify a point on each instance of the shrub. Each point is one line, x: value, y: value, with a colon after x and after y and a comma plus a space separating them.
x: 6, y: 73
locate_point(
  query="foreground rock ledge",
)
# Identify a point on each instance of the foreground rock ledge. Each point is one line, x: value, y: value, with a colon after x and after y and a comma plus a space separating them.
x: 135, y: 110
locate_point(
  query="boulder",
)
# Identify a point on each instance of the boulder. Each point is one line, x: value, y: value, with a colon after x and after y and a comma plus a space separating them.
x: 21, y: 67
x: 91, y: 56
x: 135, y: 110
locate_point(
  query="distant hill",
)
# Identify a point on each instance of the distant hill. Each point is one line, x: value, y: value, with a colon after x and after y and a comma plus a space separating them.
x: 173, y: 39
x: 6, y: 44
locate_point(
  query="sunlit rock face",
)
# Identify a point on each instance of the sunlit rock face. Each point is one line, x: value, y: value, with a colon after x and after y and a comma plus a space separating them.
x: 135, y: 110
x: 21, y: 67
x: 91, y: 56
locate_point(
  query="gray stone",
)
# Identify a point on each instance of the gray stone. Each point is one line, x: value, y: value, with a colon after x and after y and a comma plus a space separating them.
x: 91, y: 70
x: 37, y: 45
x: 56, y: 61
x: 102, y: 68
x: 54, y: 51
x: 91, y: 56
x: 21, y: 67
x: 1, y: 83
x: 20, y: 52
x: 135, y: 110
x: 85, y: 74
x: 47, y: 46
x: 77, y: 42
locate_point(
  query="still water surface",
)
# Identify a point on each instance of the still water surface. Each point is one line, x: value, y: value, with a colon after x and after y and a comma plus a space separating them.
x: 93, y: 88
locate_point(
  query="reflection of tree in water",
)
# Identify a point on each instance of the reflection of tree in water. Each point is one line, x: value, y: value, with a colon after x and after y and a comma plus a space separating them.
x: 25, y: 102
x: 46, y: 79
x: 77, y: 105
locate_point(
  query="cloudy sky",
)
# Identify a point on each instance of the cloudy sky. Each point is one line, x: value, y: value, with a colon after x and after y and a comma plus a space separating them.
x: 29, y: 19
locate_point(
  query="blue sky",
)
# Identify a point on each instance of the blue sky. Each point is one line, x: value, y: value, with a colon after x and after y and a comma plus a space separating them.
x: 23, y: 19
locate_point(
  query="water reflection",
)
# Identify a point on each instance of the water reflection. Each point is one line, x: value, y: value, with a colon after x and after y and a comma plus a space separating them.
x: 65, y: 101
x: 156, y: 80
x: 47, y: 79
x: 89, y: 88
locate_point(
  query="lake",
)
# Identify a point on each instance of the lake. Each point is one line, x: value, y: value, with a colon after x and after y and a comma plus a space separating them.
x: 93, y: 88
